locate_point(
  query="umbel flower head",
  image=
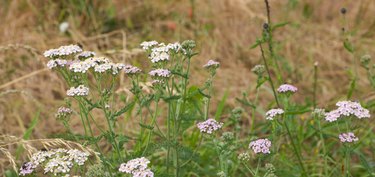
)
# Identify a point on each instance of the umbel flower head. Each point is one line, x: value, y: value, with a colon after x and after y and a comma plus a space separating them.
x: 211, y: 64
x: 62, y: 51
x: 63, y: 112
x: 209, y: 126
x: 81, y: 90
x: 146, y: 45
x: 56, y: 161
x: 56, y: 63
x: 86, y: 54
x: 287, y: 88
x: 260, y: 146
x: 348, y: 137
x: 137, y: 167
x: 273, y: 113
x: 258, y: 70
x: 131, y: 70
x: 346, y: 109
x: 160, y: 73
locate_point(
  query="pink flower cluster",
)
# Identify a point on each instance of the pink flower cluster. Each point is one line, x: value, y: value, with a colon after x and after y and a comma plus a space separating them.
x: 160, y: 73
x: 209, y: 126
x: 348, y: 137
x: 211, y: 64
x: 287, y: 88
x: 345, y: 109
x: 261, y: 146
x: 129, y: 69
x: 273, y: 113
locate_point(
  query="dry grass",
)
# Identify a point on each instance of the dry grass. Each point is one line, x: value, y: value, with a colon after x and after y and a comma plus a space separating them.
x: 224, y: 30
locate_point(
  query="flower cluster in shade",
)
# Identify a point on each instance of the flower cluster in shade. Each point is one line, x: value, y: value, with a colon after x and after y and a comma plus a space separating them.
x: 137, y: 167
x: 348, y: 137
x: 160, y: 51
x: 55, y: 161
x: 261, y: 146
x: 164, y: 73
x: 131, y: 70
x: 63, y: 112
x: 346, y: 109
x: 287, y: 88
x: 62, y: 51
x: 81, y: 90
x: 271, y: 114
x: 211, y: 64
x: 209, y: 126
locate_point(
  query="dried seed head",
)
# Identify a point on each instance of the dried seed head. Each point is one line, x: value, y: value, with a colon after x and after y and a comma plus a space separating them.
x: 343, y: 10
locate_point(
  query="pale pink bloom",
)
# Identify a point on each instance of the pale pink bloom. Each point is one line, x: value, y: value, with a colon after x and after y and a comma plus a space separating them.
x: 346, y: 109
x: 273, y: 113
x: 209, y: 126
x: 348, y: 137
x: 211, y: 64
x: 287, y: 88
x: 261, y: 146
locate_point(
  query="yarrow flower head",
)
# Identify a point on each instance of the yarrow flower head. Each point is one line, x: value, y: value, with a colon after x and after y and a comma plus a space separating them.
x: 160, y: 73
x: 62, y: 51
x: 260, y: 146
x: 86, y: 54
x: 346, y: 109
x: 318, y: 112
x: 209, y: 126
x: 211, y: 64
x: 56, y: 63
x: 81, y: 90
x: 56, y: 161
x: 287, y: 88
x: 26, y: 169
x: 258, y: 70
x: 137, y: 167
x: 146, y: 45
x: 348, y: 137
x: 244, y: 157
x: 131, y: 70
x: 63, y: 112
x: 273, y: 113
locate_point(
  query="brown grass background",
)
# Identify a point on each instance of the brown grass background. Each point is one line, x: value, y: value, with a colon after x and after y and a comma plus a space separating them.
x: 224, y: 30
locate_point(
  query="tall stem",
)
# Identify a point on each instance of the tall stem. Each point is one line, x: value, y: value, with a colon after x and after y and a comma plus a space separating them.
x: 270, y: 42
x: 269, y: 75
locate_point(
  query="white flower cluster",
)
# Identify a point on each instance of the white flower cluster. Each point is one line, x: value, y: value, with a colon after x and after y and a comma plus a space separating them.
x: 273, y: 113
x: 99, y: 64
x: 209, y: 126
x: 81, y: 90
x: 137, y: 167
x: 261, y: 146
x: 63, y: 51
x: 285, y: 88
x: 211, y: 64
x: 55, y: 161
x: 56, y: 63
x: 160, y: 73
x: 160, y: 51
x: 148, y: 44
x: 86, y: 54
x: 63, y: 112
x: 345, y: 109
x: 348, y: 137
x: 129, y: 69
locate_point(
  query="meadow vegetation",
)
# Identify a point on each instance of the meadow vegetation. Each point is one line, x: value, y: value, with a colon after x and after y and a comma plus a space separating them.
x: 187, y: 88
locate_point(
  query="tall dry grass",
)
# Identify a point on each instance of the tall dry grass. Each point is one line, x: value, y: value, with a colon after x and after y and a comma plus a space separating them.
x: 223, y: 28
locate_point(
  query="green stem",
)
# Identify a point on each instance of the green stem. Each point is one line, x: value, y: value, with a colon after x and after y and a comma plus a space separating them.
x: 269, y: 75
